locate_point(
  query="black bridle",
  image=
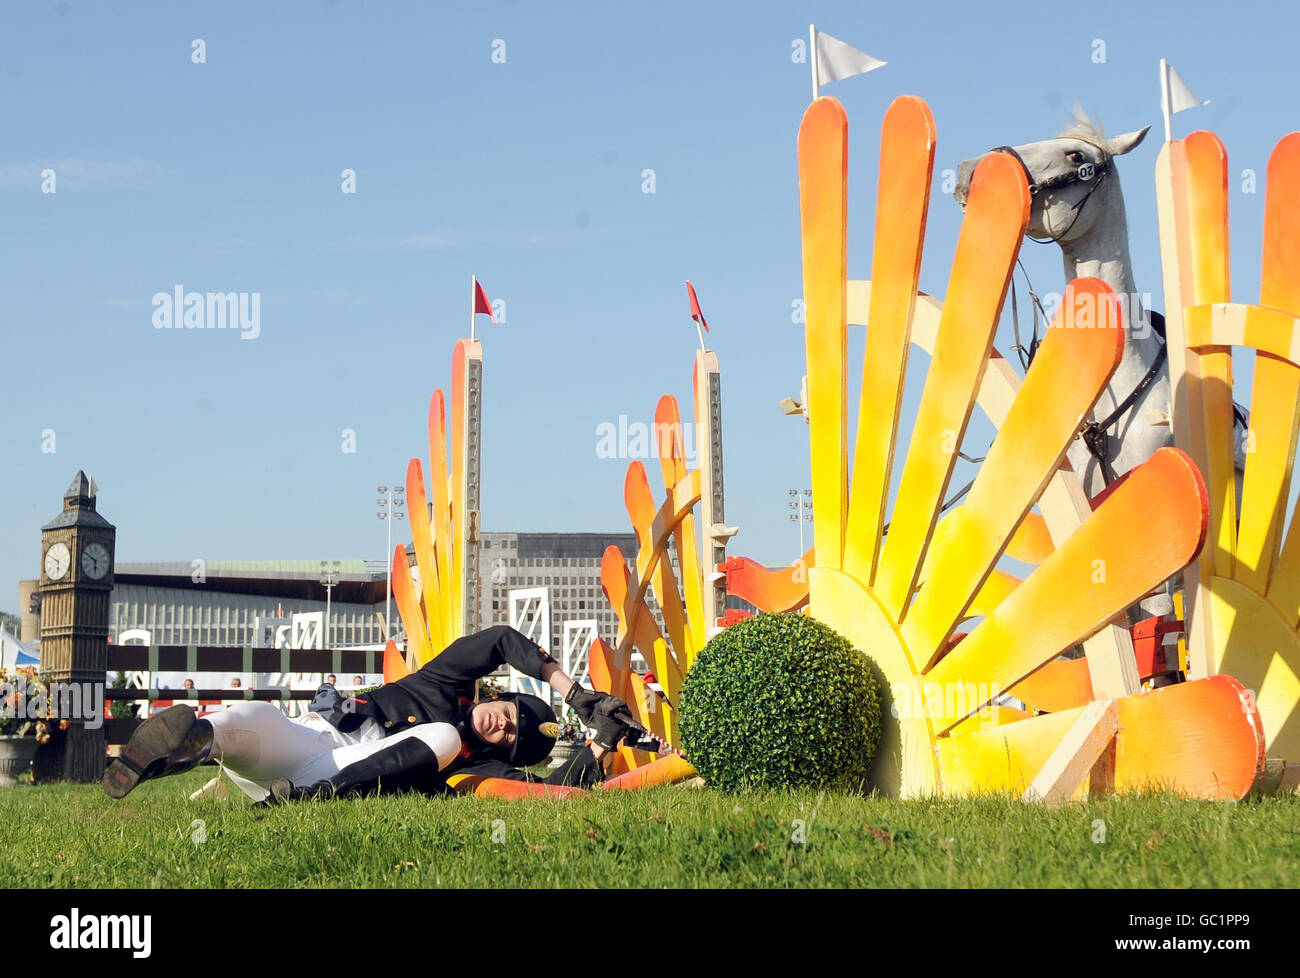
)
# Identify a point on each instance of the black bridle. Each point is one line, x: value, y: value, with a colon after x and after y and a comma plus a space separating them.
x: 1099, y: 170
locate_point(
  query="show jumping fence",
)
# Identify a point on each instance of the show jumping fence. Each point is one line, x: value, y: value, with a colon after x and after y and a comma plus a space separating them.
x: 199, y: 659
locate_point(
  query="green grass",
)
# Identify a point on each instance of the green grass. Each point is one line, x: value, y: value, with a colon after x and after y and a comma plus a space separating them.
x: 75, y: 836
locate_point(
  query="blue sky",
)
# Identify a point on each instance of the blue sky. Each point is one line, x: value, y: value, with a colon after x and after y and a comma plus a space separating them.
x: 225, y: 176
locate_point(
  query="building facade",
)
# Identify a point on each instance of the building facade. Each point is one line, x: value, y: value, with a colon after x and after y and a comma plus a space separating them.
x: 221, y: 603
x: 566, y: 564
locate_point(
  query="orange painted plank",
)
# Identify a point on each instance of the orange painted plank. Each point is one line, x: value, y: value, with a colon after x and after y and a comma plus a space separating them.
x: 1207, y: 214
x: 1032, y: 541
x: 425, y: 553
x: 666, y: 770
x: 1101, y: 569
x: 613, y: 582
x: 769, y: 590
x: 672, y: 449
x: 1201, y: 738
x: 823, y: 208
x: 1280, y: 279
x: 481, y: 787
x: 408, y: 605
x: 1280, y: 287
x: 1062, y: 684
x: 395, y: 667
x: 1073, y: 366
x: 996, y: 216
x: 907, y: 140
x: 600, y: 660
x: 997, y: 587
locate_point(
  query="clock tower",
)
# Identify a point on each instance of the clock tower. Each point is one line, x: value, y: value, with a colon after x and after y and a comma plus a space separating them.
x: 75, y: 585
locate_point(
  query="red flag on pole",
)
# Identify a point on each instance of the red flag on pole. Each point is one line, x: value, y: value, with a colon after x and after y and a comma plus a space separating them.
x: 695, y: 307
x: 481, y: 303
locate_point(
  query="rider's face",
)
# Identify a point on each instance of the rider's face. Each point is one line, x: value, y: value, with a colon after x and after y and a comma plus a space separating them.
x: 496, y: 722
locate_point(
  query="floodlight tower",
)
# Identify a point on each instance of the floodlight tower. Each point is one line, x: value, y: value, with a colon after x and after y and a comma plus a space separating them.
x: 330, y: 571
x: 802, y: 506
x: 393, y: 501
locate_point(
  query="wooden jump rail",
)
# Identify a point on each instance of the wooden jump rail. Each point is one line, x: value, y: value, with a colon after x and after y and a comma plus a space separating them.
x: 206, y: 696
x: 218, y: 658
x: 236, y: 658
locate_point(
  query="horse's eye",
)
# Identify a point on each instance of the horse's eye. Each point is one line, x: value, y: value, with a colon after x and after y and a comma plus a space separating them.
x: 1074, y: 156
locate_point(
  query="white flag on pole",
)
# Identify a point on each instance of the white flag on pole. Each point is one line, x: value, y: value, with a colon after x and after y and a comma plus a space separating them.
x: 836, y: 60
x: 1180, y: 96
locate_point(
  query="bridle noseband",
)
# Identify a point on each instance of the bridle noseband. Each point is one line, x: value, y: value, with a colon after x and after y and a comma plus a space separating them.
x: 1095, y: 172
x: 1029, y: 177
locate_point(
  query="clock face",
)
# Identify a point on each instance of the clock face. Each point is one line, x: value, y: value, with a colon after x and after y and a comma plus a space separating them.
x: 57, y: 561
x: 94, y: 561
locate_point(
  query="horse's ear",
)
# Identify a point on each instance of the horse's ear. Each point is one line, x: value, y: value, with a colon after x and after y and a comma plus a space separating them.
x: 1119, y: 145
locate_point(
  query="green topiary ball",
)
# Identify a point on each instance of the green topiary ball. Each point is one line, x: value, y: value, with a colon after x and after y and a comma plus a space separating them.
x: 780, y: 701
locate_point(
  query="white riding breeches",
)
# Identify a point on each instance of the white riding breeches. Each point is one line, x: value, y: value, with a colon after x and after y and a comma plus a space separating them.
x: 256, y: 744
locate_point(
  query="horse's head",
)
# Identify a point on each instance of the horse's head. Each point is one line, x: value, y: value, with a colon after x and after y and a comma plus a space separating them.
x: 1063, y: 173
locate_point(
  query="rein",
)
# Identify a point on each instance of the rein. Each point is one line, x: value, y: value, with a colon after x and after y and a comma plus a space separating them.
x: 1094, y: 432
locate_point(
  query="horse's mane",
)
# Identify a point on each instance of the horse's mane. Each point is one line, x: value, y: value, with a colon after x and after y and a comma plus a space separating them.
x: 1084, y: 126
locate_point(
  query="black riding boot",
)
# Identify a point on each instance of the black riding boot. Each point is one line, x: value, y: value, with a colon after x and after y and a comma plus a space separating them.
x: 389, y: 770
x: 173, y: 741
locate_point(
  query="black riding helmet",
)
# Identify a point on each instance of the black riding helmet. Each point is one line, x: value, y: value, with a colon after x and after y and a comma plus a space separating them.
x: 535, y: 735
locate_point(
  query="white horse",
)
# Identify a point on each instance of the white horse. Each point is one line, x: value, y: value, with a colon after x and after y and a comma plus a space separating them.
x: 1078, y: 205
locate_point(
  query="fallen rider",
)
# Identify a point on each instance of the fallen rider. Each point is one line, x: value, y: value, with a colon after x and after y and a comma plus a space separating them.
x: 406, y: 735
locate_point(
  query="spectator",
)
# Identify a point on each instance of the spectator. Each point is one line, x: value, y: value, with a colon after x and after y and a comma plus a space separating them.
x: 189, y: 684
x: 332, y: 679
x: 356, y: 682
x: 234, y: 684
